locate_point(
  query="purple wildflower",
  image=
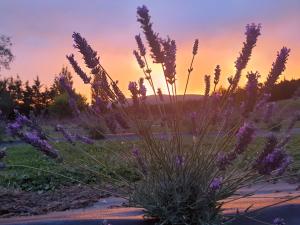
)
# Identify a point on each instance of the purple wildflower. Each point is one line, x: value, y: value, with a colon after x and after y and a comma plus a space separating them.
x: 84, y: 139
x: 121, y: 97
x: 66, y: 134
x: 277, y: 159
x: 42, y: 145
x: 78, y: 70
x: 279, y: 221
x: 217, y: 76
x: 139, y: 59
x: 142, y: 89
x: 252, y: 32
x: 169, y: 49
x: 100, y: 105
x: 251, y: 92
x: 89, y: 55
x: 216, y: 184
x: 143, y: 18
x: 13, y: 128
x: 141, y: 47
x: 179, y: 160
x: 277, y: 68
x: 244, y: 136
x: 195, y: 47
x: 133, y: 88
x: 207, y: 85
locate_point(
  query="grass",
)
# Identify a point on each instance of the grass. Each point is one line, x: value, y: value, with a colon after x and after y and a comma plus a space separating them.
x: 33, y: 173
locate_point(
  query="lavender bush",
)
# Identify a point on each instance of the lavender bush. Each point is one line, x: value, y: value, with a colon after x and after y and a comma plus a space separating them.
x: 182, y: 179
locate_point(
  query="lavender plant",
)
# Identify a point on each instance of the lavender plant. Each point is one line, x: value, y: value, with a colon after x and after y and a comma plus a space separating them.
x: 182, y: 179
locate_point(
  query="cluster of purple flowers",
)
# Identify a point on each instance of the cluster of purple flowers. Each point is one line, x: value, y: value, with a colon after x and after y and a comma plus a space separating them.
x: 169, y: 49
x: 252, y: 92
x: 207, y: 85
x: 179, y: 160
x: 277, y: 68
x: 217, y: 75
x: 279, y: 221
x: 252, y: 33
x: 86, y: 79
x: 244, y: 138
x: 273, y: 158
x: 137, y: 90
x: 195, y: 47
x: 141, y: 47
x: 71, y: 138
x: 89, y: 55
x: 139, y: 59
x: 153, y: 40
x: 216, y: 184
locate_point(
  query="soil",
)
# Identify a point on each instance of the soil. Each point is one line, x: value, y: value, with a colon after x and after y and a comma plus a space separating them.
x: 21, y: 203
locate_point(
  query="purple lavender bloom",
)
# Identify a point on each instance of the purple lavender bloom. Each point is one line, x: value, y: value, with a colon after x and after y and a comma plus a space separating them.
x: 244, y: 136
x: 78, y: 70
x: 135, y: 152
x: 207, y: 85
x: 195, y: 47
x: 142, y: 89
x: 275, y: 160
x: 277, y: 68
x: 84, y: 139
x: 89, y: 55
x: 14, y: 128
x: 66, y: 134
x: 252, y: 32
x: 251, y: 91
x: 279, y: 221
x: 217, y: 75
x: 179, y: 160
x: 143, y: 18
x: 139, y: 59
x: 42, y: 145
x: 121, y: 97
x: 216, y: 184
x: 140, y: 45
x: 133, y: 88
x: 169, y: 49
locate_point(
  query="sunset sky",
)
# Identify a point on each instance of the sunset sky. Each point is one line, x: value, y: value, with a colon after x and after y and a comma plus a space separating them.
x: 41, y: 34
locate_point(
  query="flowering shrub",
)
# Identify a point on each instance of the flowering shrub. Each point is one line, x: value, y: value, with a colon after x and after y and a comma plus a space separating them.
x: 182, y: 179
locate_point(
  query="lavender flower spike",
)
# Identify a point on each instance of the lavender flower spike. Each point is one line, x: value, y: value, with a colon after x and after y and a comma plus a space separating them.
x: 216, y: 184
x: 245, y: 136
x: 139, y: 59
x: 252, y: 32
x: 89, y: 55
x: 195, y: 47
x: 169, y: 48
x: 140, y: 45
x: 207, y: 85
x: 144, y: 18
x: 78, y: 70
x: 277, y: 68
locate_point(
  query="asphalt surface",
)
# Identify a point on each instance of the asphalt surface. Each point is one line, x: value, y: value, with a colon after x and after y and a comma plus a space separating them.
x: 111, y: 209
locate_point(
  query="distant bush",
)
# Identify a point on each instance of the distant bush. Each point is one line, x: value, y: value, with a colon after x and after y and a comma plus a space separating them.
x: 61, y: 108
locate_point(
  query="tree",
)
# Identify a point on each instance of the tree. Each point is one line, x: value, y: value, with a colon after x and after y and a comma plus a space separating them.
x: 56, y: 87
x: 37, y: 96
x: 6, y: 56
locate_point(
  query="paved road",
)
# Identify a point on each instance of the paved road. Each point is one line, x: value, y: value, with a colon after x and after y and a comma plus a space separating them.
x: 266, y: 195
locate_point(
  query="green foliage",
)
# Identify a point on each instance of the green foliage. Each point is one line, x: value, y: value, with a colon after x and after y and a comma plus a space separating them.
x: 61, y: 108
